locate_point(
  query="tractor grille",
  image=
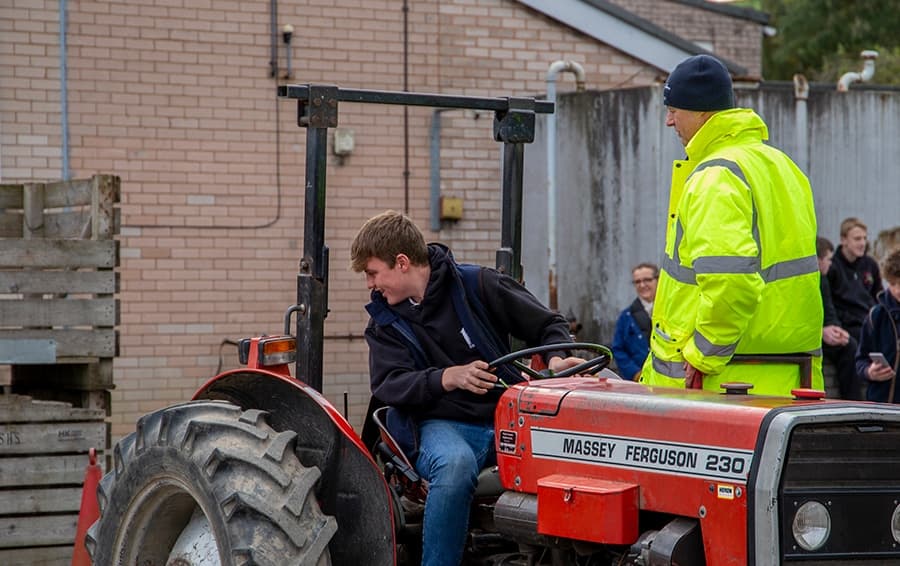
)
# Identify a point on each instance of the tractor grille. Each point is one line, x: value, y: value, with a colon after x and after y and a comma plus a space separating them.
x: 853, y: 469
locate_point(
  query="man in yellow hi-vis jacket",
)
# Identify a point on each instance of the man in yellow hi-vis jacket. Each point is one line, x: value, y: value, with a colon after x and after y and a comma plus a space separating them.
x: 739, y: 274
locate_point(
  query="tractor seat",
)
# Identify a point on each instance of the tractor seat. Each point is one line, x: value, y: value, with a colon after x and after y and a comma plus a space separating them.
x: 402, y: 475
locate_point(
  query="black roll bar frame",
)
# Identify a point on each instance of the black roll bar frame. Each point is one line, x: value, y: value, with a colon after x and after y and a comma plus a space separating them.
x: 317, y: 110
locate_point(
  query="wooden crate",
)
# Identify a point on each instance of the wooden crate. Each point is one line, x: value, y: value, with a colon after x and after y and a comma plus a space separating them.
x: 76, y: 209
x: 57, y: 288
x: 58, y: 313
x: 44, y: 449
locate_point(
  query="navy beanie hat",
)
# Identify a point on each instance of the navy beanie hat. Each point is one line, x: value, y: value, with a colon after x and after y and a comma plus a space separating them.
x: 699, y: 83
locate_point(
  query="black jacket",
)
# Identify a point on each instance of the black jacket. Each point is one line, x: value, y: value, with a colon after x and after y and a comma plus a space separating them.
x: 880, y: 334
x: 854, y: 287
x: 830, y: 316
x: 395, y: 380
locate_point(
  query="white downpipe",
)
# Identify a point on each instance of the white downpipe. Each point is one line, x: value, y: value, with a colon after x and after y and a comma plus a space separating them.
x: 866, y: 75
x: 801, y: 95
x: 555, y: 69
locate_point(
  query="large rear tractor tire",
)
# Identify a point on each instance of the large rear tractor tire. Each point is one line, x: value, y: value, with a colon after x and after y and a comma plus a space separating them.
x: 207, y: 483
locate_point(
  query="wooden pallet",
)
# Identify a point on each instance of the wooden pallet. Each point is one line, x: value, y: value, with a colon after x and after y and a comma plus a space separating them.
x: 44, y: 449
x: 57, y: 288
x: 58, y: 280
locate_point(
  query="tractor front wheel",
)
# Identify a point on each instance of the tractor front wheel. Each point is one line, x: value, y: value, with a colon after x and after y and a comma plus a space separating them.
x: 208, y: 483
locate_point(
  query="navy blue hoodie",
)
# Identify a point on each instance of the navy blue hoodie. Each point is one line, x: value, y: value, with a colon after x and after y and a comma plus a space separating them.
x: 395, y: 379
x: 879, y: 334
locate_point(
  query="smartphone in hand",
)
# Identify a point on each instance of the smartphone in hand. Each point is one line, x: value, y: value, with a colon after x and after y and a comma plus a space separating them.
x: 878, y: 357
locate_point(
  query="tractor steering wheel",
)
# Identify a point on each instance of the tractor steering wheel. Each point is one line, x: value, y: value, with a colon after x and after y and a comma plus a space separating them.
x: 591, y: 366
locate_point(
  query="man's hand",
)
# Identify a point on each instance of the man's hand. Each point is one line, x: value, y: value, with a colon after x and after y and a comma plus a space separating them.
x: 557, y: 364
x: 835, y: 335
x: 879, y: 372
x: 693, y: 377
x: 473, y: 377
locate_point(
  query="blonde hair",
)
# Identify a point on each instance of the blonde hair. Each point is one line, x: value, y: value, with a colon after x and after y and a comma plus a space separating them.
x: 384, y: 237
x: 887, y: 241
x: 890, y: 267
x: 851, y: 223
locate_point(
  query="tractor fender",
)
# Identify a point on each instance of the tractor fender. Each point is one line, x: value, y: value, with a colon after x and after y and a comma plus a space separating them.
x: 352, y: 487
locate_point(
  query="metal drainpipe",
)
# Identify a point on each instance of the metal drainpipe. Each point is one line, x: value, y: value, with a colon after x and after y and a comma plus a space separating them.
x: 406, y: 172
x: 273, y: 39
x: 436, y: 170
x: 555, y: 68
x: 63, y: 91
x: 801, y: 94
x: 866, y: 75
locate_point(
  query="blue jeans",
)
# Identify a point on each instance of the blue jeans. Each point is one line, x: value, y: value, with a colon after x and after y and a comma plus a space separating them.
x: 451, y: 453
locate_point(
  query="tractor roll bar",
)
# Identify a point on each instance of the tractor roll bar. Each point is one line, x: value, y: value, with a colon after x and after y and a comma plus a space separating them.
x: 302, y: 92
x: 317, y: 110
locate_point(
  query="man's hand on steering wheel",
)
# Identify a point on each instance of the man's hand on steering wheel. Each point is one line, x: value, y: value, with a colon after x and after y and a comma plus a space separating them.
x: 474, y: 377
x: 558, y: 364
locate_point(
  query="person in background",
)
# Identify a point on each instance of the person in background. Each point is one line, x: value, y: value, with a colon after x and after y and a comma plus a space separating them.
x: 739, y: 273
x: 853, y: 277
x: 631, y: 342
x: 879, y: 334
x: 429, y: 348
x: 838, y: 347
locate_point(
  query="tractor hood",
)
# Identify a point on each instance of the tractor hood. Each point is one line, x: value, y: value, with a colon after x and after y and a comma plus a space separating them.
x: 589, y: 448
x: 628, y: 429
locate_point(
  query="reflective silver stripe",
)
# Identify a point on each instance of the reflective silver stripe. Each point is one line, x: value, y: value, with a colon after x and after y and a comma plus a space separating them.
x: 734, y: 264
x: 730, y: 165
x: 707, y: 348
x: 790, y: 268
x: 726, y: 264
x: 679, y: 273
x: 673, y: 266
x: 662, y: 335
x: 668, y: 369
x: 679, y: 234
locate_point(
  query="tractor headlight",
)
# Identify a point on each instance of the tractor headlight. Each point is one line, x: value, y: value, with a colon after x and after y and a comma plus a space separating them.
x: 812, y: 525
x: 895, y: 523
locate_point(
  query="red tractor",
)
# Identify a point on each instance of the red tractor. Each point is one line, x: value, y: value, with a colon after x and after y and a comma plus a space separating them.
x: 259, y: 468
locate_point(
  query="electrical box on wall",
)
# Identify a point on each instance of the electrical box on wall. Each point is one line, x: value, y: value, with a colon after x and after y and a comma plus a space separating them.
x: 451, y: 208
x: 343, y: 141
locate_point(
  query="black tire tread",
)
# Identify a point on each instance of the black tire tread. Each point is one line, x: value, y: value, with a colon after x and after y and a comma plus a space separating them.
x: 263, y: 494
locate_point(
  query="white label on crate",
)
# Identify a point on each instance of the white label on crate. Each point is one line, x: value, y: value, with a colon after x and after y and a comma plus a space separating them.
x: 712, y: 462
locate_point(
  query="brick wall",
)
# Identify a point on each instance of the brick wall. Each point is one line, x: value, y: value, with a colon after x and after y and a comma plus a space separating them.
x: 175, y: 97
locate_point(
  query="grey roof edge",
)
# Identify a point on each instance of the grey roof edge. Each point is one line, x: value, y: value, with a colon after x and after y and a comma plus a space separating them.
x: 634, y: 21
x: 729, y: 10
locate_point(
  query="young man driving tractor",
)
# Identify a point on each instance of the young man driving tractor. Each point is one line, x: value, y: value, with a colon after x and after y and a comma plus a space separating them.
x: 429, y: 345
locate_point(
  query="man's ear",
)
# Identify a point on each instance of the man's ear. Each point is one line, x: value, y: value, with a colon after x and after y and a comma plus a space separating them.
x: 402, y: 261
